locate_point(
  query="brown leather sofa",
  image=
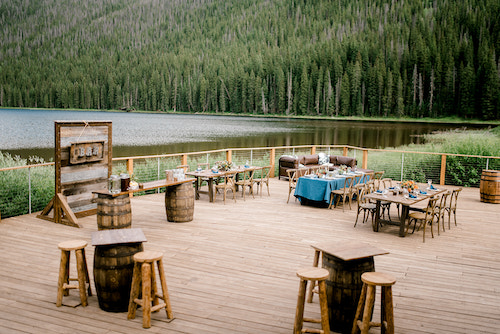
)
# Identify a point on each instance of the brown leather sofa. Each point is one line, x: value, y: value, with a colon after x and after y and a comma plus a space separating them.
x: 312, y: 160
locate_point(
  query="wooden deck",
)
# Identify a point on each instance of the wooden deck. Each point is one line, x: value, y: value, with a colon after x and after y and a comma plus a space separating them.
x: 232, y: 269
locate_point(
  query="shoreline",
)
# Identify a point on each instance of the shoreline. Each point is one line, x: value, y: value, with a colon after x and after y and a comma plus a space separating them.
x: 446, y: 120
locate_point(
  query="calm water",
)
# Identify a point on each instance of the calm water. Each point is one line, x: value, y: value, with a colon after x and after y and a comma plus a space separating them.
x: 31, y: 132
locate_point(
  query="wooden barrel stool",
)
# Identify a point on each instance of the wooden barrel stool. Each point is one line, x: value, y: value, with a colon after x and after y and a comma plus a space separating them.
x: 144, y: 274
x: 367, y: 299
x: 63, y: 285
x: 318, y: 275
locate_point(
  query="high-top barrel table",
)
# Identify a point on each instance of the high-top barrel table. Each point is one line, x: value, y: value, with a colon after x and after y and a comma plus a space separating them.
x: 346, y: 262
x: 114, y: 265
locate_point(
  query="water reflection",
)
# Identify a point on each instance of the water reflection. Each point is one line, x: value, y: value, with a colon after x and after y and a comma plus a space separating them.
x: 31, y: 132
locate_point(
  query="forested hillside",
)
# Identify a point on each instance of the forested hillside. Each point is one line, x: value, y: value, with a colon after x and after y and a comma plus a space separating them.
x: 393, y: 58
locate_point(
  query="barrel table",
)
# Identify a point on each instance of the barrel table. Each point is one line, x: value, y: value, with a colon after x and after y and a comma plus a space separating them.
x: 114, y: 266
x: 489, y: 186
x: 346, y: 262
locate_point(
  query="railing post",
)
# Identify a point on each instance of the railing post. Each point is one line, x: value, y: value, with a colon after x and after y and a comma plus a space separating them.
x: 184, y: 160
x: 229, y: 155
x: 313, y: 149
x: 364, y: 164
x: 130, y: 171
x: 345, y: 151
x: 272, y: 161
x: 443, y: 170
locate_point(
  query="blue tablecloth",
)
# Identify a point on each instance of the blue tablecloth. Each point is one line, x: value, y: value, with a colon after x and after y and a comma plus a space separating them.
x: 318, y: 189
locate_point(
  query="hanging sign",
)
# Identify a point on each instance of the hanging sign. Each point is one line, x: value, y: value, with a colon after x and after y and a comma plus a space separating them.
x: 83, y: 152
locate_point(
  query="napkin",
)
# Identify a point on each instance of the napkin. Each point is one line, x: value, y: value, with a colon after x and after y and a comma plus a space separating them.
x: 432, y: 187
x: 391, y: 188
x: 423, y: 192
x: 412, y: 196
x: 379, y: 191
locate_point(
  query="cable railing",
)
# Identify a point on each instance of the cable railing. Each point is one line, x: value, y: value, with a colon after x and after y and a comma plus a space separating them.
x: 27, y: 189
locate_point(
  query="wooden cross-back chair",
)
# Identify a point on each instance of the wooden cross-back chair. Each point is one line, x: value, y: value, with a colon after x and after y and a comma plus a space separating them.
x: 365, y: 205
x: 452, y: 207
x: 226, y: 185
x: 342, y: 193
x: 265, y: 173
x: 423, y: 218
x: 293, y: 175
x: 246, y: 182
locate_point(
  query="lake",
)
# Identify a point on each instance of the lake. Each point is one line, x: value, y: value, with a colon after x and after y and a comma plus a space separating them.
x: 31, y: 132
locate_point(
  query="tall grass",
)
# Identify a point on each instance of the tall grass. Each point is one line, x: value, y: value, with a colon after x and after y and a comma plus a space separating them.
x: 14, y: 185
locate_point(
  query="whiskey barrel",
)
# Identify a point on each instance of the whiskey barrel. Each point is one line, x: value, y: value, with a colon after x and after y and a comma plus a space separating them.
x: 343, y: 288
x: 179, y: 202
x: 113, y: 212
x: 113, y: 269
x: 490, y: 186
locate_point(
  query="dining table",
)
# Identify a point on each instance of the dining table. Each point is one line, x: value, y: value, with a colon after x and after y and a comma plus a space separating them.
x: 210, y: 175
x: 405, y: 200
x: 314, y: 190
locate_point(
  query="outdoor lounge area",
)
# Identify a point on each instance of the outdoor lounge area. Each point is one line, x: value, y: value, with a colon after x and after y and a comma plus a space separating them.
x: 232, y: 269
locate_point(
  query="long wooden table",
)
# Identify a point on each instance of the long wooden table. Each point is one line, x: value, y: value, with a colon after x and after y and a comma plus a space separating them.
x: 209, y: 175
x: 405, y: 203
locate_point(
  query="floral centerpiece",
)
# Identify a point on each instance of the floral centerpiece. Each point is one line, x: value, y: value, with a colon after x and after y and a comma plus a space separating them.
x: 224, y: 165
x: 342, y: 169
x: 410, y: 185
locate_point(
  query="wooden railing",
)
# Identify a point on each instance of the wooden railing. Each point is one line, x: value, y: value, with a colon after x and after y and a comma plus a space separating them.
x: 398, y: 164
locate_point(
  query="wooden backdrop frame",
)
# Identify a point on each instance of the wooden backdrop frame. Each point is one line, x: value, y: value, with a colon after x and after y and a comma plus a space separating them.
x: 82, y: 188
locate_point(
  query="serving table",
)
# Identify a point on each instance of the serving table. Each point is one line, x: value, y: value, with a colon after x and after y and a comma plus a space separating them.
x: 346, y: 262
x: 113, y: 210
x: 404, y: 201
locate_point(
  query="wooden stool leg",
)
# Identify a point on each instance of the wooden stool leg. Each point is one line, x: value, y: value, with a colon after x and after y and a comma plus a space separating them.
x: 154, y: 287
x: 359, y: 309
x: 165, y: 297
x: 310, y: 289
x: 367, y: 313
x: 86, y: 270
x: 81, y: 277
x: 146, y: 295
x: 325, y: 325
x: 63, y: 277
x: 134, y: 291
x: 387, y: 311
x: 299, y: 312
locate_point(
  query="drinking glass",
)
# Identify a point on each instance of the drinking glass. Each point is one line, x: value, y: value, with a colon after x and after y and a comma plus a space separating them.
x: 429, y: 183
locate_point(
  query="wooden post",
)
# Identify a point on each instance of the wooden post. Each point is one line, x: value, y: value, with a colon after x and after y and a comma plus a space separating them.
x: 345, y: 151
x: 313, y: 149
x: 184, y: 160
x: 443, y: 170
x: 364, y: 164
x: 229, y: 154
x: 272, y: 161
x: 130, y: 171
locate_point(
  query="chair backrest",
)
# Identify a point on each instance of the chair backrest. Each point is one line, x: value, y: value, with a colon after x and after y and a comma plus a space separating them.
x: 292, y: 177
x: 229, y: 177
x: 431, y: 205
x: 454, y: 198
x: 361, y: 194
x: 265, y: 172
x: 348, y: 183
x: 378, y: 175
x: 357, y: 179
x: 442, y: 203
x: 247, y: 176
x: 368, y: 177
x: 386, y: 182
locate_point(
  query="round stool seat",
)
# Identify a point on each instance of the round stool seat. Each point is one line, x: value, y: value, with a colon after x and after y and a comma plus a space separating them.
x: 378, y: 278
x: 313, y: 274
x: 72, y: 245
x: 148, y: 256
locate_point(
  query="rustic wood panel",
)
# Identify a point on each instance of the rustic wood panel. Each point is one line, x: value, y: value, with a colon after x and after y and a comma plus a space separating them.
x: 232, y: 269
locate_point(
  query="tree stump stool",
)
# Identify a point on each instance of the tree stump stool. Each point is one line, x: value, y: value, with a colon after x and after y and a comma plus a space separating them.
x: 367, y: 300
x: 144, y: 274
x: 63, y: 285
x: 318, y: 275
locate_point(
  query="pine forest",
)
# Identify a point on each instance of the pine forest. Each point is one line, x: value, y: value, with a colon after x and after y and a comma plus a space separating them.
x: 369, y: 58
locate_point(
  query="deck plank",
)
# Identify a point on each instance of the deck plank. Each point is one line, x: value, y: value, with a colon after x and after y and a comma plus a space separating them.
x: 232, y: 269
